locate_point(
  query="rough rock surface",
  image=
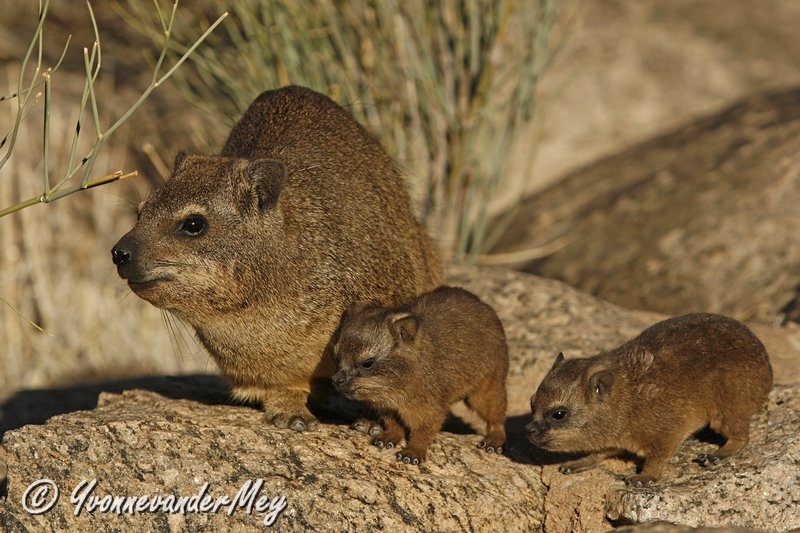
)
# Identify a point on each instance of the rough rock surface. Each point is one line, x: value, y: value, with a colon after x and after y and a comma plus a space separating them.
x: 170, y: 436
x: 140, y: 443
x: 704, y: 218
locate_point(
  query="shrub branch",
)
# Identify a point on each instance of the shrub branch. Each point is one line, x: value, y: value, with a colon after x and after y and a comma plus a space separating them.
x: 29, y: 93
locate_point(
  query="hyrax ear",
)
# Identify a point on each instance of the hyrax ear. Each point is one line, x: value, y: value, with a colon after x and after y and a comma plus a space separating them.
x: 267, y: 177
x: 600, y: 384
x: 559, y: 360
x: 179, y: 157
x: 404, y: 326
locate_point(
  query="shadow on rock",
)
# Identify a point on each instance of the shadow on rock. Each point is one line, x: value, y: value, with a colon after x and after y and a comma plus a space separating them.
x: 36, y: 406
x: 520, y: 450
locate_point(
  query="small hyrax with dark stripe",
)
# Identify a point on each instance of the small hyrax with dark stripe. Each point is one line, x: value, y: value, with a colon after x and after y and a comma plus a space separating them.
x: 648, y: 395
x: 412, y: 362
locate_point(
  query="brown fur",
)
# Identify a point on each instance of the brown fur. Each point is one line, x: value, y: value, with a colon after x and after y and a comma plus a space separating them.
x: 651, y: 393
x: 412, y: 362
x: 305, y: 213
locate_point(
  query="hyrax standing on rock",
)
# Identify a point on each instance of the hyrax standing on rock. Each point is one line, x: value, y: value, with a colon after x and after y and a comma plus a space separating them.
x: 410, y: 363
x: 648, y: 395
x: 262, y: 247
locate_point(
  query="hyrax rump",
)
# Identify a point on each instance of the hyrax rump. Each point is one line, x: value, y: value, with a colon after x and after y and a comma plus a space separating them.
x: 410, y: 363
x: 648, y: 395
x: 262, y: 247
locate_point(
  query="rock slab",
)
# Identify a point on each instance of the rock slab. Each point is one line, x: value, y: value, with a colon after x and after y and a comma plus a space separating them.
x: 140, y: 443
x: 702, y: 218
x: 169, y: 438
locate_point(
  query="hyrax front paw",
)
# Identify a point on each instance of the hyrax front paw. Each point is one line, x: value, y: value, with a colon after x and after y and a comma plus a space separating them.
x: 491, y: 447
x: 639, y: 480
x: 579, y: 465
x: 387, y: 439
x: 286, y: 408
x: 296, y: 422
x: 410, y: 457
x: 380, y: 443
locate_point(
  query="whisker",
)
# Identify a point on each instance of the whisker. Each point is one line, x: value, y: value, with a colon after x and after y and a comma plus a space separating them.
x: 182, y: 337
x: 166, y: 319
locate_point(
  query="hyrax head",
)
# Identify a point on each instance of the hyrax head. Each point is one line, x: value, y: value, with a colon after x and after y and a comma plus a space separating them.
x: 374, y: 352
x: 572, y: 407
x: 198, y: 237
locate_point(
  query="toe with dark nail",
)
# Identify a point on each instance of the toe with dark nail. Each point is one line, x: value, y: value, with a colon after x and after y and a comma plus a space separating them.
x: 408, y: 459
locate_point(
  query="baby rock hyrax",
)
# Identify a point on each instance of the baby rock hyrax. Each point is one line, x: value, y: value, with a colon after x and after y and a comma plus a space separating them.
x: 412, y: 362
x: 262, y: 248
x: 646, y: 396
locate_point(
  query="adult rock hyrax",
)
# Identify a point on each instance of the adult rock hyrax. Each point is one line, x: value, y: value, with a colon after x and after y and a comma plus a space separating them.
x: 646, y: 396
x: 262, y: 247
x: 411, y: 362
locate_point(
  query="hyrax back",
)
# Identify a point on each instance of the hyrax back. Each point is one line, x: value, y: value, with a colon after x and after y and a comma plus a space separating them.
x: 262, y: 247
x: 412, y: 362
x: 648, y: 395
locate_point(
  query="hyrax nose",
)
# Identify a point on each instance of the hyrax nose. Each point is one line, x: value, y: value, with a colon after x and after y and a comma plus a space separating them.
x: 120, y: 255
x: 123, y: 254
x: 534, y: 428
x: 339, y: 379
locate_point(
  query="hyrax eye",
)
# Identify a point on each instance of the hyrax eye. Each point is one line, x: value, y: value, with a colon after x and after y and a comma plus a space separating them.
x: 368, y: 364
x: 193, y: 226
x: 559, y: 414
